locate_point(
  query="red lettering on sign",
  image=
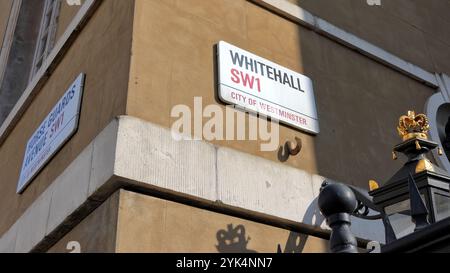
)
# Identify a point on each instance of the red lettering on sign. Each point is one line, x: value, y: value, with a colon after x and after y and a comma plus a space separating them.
x: 245, y: 79
x: 235, y: 76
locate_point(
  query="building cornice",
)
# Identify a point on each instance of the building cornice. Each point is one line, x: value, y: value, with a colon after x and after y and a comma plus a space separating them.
x: 140, y: 156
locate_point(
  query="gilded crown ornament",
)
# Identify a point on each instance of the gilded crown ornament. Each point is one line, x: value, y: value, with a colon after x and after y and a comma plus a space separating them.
x: 413, y: 126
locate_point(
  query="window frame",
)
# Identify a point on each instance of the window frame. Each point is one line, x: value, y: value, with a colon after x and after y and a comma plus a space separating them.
x: 46, y: 37
x: 8, y: 38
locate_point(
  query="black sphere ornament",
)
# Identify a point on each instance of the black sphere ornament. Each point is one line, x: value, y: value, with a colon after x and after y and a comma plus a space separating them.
x: 336, y: 198
x: 337, y: 202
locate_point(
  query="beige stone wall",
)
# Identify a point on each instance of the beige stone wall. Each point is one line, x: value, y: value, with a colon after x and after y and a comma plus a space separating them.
x: 66, y: 14
x: 137, y: 223
x: 359, y: 100
x: 5, y: 8
x: 96, y: 233
x: 148, y: 224
x: 173, y: 60
x: 102, y: 51
x: 415, y: 30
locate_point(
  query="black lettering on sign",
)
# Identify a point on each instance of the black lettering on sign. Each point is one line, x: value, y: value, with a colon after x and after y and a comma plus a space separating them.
x: 265, y: 70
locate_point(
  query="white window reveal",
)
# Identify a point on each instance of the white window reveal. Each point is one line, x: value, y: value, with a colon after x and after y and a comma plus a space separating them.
x: 46, y: 38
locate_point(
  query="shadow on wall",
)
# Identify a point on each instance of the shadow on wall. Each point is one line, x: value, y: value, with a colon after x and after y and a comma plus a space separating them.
x: 295, y: 243
x: 313, y: 217
x: 234, y: 240
x: 358, y: 100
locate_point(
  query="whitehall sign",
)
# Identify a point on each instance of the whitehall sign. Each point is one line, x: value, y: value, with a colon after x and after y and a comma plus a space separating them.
x: 59, y: 125
x: 262, y: 86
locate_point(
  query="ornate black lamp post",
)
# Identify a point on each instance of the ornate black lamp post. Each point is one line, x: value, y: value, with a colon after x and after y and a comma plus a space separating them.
x: 395, y: 199
x: 415, y: 197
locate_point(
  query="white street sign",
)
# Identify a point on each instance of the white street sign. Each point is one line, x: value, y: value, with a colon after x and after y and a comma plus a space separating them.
x: 262, y: 86
x: 59, y: 125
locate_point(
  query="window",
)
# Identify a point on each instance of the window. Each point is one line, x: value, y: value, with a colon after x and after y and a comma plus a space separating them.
x: 8, y: 36
x: 31, y: 28
x: 46, y: 38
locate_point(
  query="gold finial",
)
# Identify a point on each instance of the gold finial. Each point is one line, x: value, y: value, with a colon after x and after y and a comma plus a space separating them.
x: 418, y: 147
x: 394, y: 155
x: 413, y: 126
x: 373, y: 185
x: 424, y: 165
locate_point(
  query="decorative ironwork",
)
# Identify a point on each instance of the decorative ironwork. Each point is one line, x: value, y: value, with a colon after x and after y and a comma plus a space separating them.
x: 419, y: 211
x: 337, y: 201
